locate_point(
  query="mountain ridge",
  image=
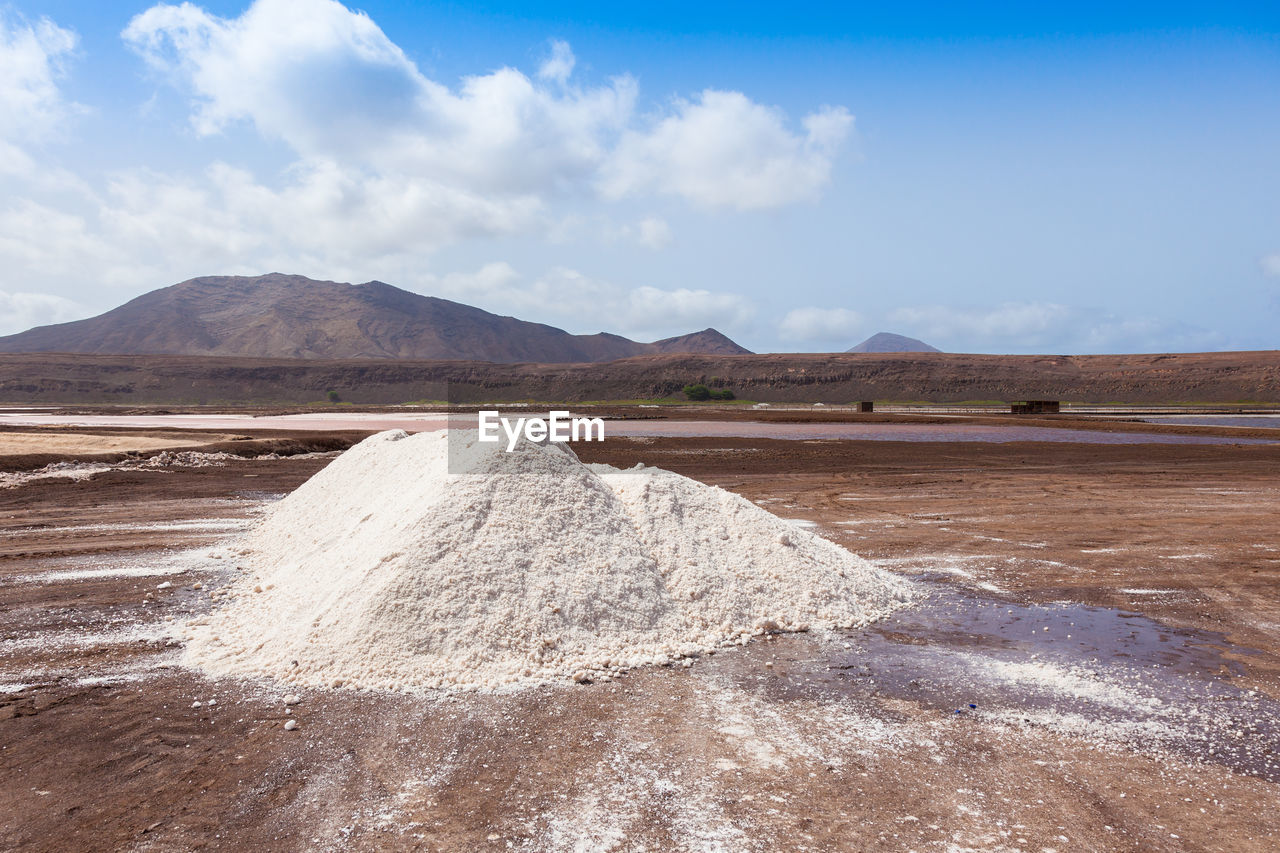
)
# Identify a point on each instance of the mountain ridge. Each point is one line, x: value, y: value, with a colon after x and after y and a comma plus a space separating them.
x: 890, y: 342
x: 289, y: 316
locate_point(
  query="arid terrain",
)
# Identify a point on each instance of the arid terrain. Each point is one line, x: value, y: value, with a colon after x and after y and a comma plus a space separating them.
x: 1093, y: 664
x: 136, y: 380
x: 291, y: 316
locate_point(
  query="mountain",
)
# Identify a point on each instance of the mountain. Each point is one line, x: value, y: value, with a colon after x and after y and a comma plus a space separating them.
x: 889, y: 342
x: 290, y: 316
x: 706, y: 342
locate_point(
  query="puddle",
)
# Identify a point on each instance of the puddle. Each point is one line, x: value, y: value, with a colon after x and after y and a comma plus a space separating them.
x: 1106, y: 674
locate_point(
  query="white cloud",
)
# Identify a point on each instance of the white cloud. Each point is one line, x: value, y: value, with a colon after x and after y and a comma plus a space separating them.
x: 827, y: 325
x: 329, y: 83
x: 21, y: 311
x: 1047, y: 327
x: 32, y: 59
x: 1024, y: 322
x: 33, y: 108
x: 651, y: 232
x: 48, y: 243
x: 387, y: 166
x: 684, y: 310
x: 559, y: 65
x: 582, y: 304
x: 1270, y: 265
x: 286, y: 66
x: 724, y: 150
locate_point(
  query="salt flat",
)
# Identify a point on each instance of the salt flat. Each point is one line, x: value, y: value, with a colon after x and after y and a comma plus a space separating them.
x: 1102, y: 718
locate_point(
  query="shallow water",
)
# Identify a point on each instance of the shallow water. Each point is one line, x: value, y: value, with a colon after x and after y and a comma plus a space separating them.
x: 906, y: 432
x: 656, y: 428
x: 1254, y: 421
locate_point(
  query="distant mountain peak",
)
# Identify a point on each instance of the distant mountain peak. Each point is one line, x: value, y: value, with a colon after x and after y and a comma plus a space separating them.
x: 291, y: 316
x: 889, y: 342
x: 708, y: 341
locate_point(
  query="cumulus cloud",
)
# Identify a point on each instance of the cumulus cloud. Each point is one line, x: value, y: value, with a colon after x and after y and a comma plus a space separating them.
x: 1023, y: 322
x: 559, y: 65
x: 651, y: 232
x: 581, y: 303
x: 684, y: 309
x: 386, y: 166
x: 1048, y: 327
x: 32, y: 59
x: 284, y: 65
x: 723, y: 149
x: 820, y: 325
x: 21, y: 311
x: 46, y: 241
x: 329, y: 83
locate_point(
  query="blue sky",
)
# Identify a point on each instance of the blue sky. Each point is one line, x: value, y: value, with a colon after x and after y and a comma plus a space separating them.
x: 989, y: 178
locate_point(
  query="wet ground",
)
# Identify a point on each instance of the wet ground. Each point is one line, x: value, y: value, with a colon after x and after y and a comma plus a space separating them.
x: 958, y: 432
x: 1093, y: 664
x: 1263, y: 421
x: 1091, y: 671
x: 897, y: 429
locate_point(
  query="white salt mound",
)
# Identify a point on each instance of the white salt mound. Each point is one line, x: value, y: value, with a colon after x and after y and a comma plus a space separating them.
x: 386, y: 570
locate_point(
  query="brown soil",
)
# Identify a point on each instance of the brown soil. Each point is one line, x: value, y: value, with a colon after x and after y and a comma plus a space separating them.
x: 79, y: 443
x: 23, y: 448
x: 792, y: 743
x: 830, y: 378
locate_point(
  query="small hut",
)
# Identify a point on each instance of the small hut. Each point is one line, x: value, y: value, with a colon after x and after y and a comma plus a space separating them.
x: 1036, y: 407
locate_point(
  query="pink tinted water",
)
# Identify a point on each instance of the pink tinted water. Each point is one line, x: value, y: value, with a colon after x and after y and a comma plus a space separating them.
x: 656, y: 427
x: 908, y: 432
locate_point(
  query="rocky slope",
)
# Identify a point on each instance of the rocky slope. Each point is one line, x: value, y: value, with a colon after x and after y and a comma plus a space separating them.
x: 288, y: 316
x: 889, y: 342
x: 937, y: 377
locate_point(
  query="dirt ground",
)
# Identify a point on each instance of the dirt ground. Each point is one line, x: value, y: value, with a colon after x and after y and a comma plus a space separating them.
x: 1093, y: 664
x: 12, y: 443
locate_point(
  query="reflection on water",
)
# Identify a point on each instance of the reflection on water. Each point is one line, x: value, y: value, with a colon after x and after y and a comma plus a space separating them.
x: 1256, y: 421
x: 656, y: 427
x: 908, y: 432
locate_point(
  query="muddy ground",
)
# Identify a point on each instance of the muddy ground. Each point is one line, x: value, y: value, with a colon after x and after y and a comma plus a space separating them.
x: 1094, y: 664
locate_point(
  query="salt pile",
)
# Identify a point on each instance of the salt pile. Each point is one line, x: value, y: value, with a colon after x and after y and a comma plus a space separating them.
x: 387, y: 571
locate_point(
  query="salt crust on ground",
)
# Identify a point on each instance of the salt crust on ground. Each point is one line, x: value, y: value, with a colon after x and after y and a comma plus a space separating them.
x: 387, y: 571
